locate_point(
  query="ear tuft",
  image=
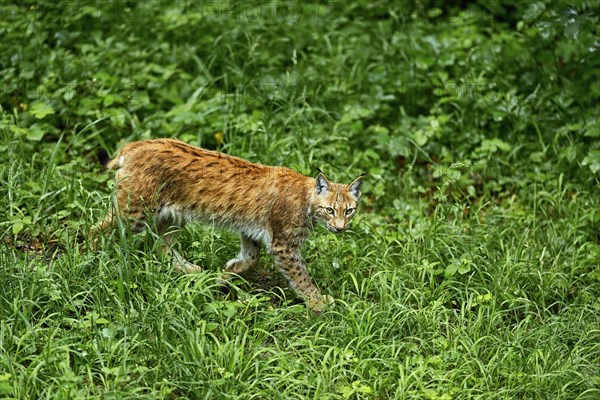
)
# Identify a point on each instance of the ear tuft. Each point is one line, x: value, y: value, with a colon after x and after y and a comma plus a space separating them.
x: 355, y: 186
x: 322, y: 185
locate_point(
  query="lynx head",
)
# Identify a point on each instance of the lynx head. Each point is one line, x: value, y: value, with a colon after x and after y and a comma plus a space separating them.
x: 334, y: 203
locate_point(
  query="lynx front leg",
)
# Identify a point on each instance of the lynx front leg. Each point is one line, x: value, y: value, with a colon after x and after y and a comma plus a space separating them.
x: 292, y: 267
x: 246, y: 259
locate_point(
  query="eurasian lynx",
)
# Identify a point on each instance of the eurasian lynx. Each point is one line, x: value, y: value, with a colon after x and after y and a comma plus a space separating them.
x: 169, y: 183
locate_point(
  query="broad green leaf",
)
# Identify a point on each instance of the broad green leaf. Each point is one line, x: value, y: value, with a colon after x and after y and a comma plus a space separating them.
x: 592, y: 160
x: 40, y: 109
x: 5, y: 388
x: 35, y: 133
x: 593, y: 130
x: 17, y: 227
x: 18, y: 130
x: 451, y: 269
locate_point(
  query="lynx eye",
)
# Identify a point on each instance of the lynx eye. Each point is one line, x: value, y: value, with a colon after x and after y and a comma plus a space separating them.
x: 329, y: 210
x: 349, y: 212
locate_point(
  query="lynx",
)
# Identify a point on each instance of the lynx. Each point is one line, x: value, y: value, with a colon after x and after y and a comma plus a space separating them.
x: 166, y: 183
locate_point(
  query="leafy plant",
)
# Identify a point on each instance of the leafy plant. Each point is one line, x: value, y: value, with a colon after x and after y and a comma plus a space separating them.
x: 471, y: 269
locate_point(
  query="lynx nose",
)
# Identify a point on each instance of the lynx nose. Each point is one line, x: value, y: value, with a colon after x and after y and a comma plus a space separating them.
x: 338, y: 229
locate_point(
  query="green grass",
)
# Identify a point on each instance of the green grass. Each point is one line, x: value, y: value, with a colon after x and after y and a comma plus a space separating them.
x: 470, y: 271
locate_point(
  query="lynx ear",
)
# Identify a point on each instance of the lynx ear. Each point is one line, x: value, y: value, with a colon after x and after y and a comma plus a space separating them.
x: 322, y: 184
x: 355, y: 186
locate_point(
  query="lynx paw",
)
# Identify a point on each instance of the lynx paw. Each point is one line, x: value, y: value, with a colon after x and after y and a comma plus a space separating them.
x: 187, y: 267
x: 317, y: 306
x: 182, y: 265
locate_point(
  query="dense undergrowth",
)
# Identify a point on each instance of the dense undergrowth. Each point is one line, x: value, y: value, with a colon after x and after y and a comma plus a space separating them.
x: 471, y: 270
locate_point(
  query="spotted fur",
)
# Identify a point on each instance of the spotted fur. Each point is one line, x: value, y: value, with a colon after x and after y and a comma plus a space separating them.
x: 172, y: 183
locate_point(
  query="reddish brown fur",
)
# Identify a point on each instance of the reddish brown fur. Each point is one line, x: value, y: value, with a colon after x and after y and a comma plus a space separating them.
x: 177, y: 183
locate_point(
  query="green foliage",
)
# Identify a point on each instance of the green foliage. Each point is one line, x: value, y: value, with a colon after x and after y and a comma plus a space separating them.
x: 472, y: 268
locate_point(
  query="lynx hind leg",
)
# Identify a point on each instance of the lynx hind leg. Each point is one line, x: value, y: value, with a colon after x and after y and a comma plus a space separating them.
x: 246, y: 259
x: 122, y: 218
x: 168, y: 231
x: 101, y: 229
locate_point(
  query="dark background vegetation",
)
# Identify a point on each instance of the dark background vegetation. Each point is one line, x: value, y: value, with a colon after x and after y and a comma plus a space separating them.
x: 476, y: 253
